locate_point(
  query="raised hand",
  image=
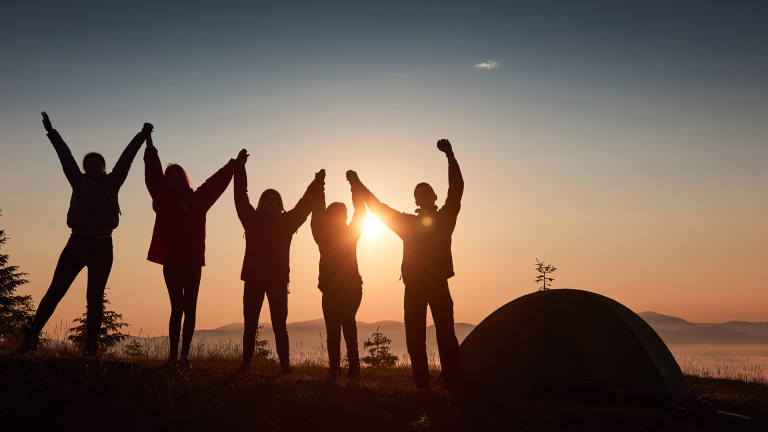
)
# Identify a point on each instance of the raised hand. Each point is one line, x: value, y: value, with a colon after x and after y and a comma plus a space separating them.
x: 354, y: 180
x: 242, y: 157
x: 444, y: 146
x: 47, y: 123
x: 320, y: 175
x: 147, y: 129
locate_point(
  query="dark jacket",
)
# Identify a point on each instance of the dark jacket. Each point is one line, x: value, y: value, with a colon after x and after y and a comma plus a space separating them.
x: 338, y: 246
x: 179, y: 233
x: 268, y: 237
x: 93, y: 209
x: 427, y: 235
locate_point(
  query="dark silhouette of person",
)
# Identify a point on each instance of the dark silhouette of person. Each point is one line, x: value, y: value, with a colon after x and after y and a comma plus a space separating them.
x: 178, y: 238
x: 269, y: 230
x: 427, y: 266
x: 94, y: 212
x: 339, y: 279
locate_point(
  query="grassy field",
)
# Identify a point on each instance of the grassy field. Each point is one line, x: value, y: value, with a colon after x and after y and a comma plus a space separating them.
x: 55, y: 389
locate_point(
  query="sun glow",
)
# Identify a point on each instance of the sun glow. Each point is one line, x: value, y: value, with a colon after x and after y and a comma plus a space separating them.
x: 373, y: 226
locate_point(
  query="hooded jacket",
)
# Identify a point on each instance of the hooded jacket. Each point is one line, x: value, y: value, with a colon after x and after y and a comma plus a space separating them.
x: 338, y: 246
x: 268, y: 236
x: 93, y: 208
x: 426, y: 235
x: 179, y: 233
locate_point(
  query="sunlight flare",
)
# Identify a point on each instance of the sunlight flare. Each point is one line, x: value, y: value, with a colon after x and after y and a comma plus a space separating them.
x: 373, y: 226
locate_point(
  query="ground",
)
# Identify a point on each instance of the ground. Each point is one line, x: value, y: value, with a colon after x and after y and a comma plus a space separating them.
x: 55, y: 391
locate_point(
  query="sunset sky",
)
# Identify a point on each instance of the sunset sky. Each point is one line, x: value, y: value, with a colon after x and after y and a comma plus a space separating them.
x: 626, y: 143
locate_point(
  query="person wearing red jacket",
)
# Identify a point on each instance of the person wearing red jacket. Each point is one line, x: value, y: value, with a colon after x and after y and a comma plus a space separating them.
x: 339, y: 278
x: 178, y: 238
x: 269, y: 230
x: 427, y: 266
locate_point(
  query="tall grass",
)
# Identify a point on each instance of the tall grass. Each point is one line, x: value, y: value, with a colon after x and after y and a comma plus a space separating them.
x: 203, y: 353
x: 718, y: 369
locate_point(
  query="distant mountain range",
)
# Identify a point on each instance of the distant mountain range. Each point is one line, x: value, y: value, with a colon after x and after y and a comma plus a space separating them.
x: 677, y: 331
x: 308, y: 335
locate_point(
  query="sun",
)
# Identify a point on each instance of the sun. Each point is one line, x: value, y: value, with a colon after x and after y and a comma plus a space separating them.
x: 373, y: 226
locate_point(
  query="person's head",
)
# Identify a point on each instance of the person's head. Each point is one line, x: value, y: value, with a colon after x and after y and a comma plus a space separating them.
x: 94, y: 164
x: 270, y: 202
x: 336, y: 213
x: 177, y: 178
x: 424, y: 194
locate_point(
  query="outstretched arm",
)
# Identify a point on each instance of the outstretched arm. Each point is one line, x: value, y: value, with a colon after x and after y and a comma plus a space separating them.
x: 357, y: 224
x: 245, y: 210
x: 391, y: 217
x: 298, y: 215
x: 211, y: 190
x: 455, y: 180
x: 153, y: 172
x: 318, y: 213
x: 68, y: 163
x: 123, y: 165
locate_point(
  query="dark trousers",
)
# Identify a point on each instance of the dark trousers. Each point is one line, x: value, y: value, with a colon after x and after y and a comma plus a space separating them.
x: 96, y: 254
x: 183, y: 283
x: 253, y: 299
x: 339, y: 310
x: 438, y: 297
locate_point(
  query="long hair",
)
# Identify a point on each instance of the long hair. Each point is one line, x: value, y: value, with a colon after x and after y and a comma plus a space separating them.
x: 173, y: 166
x: 266, y: 194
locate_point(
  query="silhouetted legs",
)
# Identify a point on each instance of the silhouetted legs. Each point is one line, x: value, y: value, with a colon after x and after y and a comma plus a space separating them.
x: 339, y: 310
x: 183, y: 283
x: 438, y: 297
x: 96, y: 254
x: 253, y: 299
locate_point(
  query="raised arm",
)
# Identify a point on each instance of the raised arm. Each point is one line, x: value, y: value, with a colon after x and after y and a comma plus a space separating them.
x: 123, y: 165
x: 211, y: 190
x: 153, y: 172
x: 245, y: 210
x: 298, y: 215
x: 392, y: 218
x: 68, y: 163
x: 357, y: 224
x: 455, y: 180
x: 318, y: 214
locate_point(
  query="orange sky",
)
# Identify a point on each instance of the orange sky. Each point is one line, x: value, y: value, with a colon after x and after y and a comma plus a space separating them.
x: 624, y: 151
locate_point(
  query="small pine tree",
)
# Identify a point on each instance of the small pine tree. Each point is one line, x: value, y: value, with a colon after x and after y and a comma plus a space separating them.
x: 544, y: 269
x: 378, y: 351
x: 16, y: 311
x: 109, y: 334
x: 262, y: 345
x: 134, y: 350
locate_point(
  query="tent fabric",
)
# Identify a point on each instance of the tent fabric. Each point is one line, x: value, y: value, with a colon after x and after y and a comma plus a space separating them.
x: 566, y: 339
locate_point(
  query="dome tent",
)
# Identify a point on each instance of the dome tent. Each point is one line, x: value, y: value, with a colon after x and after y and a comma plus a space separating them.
x: 571, y: 340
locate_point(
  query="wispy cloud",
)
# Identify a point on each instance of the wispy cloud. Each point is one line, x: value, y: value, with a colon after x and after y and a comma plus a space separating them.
x: 490, y: 64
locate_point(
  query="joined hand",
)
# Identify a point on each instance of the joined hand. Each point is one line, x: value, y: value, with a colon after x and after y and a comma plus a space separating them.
x: 242, y: 157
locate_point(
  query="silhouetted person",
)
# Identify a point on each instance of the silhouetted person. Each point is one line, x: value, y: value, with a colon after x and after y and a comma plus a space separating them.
x: 93, y: 213
x: 178, y: 238
x: 427, y: 266
x: 339, y: 279
x: 269, y: 230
